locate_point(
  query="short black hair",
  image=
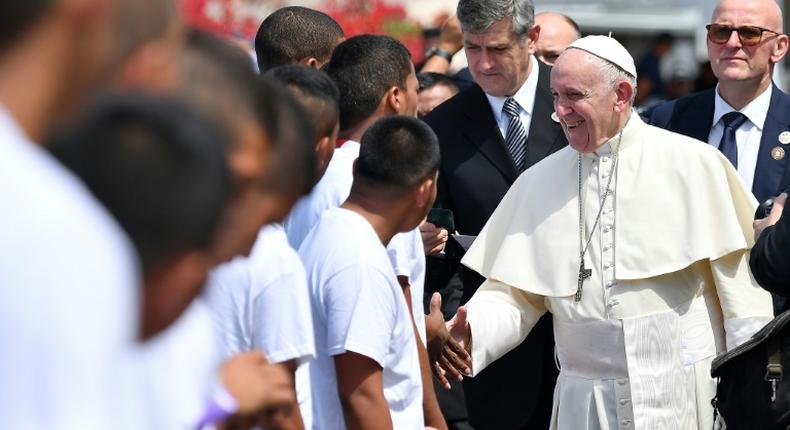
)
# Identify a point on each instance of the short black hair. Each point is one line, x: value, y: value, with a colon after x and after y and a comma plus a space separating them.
x: 429, y: 80
x: 316, y: 92
x: 17, y: 16
x: 157, y: 166
x: 396, y: 153
x: 364, y: 68
x: 291, y: 140
x: 219, y: 78
x: 293, y: 33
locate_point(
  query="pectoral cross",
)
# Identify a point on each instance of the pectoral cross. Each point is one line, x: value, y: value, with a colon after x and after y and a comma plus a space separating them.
x: 583, y: 274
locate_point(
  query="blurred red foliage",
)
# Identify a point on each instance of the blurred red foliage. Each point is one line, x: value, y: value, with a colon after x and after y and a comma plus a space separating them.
x: 355, y: 16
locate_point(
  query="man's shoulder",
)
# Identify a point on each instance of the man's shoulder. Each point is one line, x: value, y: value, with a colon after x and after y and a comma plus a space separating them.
x: 449, y: 113
x: 662, y: 114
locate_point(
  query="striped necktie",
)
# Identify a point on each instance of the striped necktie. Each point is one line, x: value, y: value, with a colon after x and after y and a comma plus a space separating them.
x: 516, y: 138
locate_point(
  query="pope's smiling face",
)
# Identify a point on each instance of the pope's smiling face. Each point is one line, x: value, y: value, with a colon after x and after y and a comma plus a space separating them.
x: 585, y: 103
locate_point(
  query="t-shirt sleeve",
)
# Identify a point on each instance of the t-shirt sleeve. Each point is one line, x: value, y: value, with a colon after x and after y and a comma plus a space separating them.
x: 361, y: 311
x: 281, y: 318
x: 397, y: 251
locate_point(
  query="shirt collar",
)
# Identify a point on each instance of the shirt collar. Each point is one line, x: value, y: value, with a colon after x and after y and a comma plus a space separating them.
x: 755, y: 111
x: 629, y: 137
x: 525, y: 96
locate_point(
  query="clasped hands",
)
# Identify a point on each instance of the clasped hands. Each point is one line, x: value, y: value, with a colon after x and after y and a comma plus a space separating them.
x: 448, y: 343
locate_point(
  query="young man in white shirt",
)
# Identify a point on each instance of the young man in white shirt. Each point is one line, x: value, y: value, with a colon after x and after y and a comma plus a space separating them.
x: 261, y: 302
x: 68, y: 273
x: 367, y: 370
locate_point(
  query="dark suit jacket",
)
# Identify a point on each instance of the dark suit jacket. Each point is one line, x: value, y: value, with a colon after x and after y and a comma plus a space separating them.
x: 692, y: 115
x: 475, y: 174
x: 770, y: 255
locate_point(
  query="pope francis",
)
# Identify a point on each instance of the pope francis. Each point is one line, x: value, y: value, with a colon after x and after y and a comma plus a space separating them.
x: 636, y: 240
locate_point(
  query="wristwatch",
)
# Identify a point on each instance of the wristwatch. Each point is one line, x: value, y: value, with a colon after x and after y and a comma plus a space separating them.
x: 439, y: 52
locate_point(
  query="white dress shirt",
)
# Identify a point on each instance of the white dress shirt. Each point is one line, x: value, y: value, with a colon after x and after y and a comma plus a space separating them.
x: 747, y: 136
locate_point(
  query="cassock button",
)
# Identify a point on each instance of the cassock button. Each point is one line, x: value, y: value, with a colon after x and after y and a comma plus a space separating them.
x: 607, y: 228
x: 610, y: 284
x: 621, y: 381
x: 625, y: 422
x: 778, y: 153
x: 623, y: 402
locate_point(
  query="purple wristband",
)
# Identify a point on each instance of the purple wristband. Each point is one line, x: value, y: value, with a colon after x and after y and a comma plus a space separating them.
x: 220, y: 406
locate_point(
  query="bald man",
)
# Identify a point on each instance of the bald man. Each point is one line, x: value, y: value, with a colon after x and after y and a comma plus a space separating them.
x: 557, y: 31
x: 746, y: 116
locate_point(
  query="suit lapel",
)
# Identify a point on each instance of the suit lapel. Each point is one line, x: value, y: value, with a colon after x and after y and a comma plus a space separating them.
x: 545, y: 135
x: 481, y: 129
x: 769, y: 172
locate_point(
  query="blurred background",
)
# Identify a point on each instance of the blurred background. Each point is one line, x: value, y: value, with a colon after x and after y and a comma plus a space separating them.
x: 673, y: 30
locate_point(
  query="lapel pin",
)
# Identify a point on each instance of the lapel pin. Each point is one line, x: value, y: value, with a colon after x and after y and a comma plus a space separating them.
x: 784, y: 137
x: 778, y: 153
x: 555, y: 118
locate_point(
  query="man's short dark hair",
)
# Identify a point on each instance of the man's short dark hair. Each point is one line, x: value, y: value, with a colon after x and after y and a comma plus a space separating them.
x: 429, y: 80
x: 293, y: 33
x: 292, y: 159
x: 316, y: 92
x: 17, y: 16
x: 157, y: 166
x: 396, y: 153
x: 364, y: 68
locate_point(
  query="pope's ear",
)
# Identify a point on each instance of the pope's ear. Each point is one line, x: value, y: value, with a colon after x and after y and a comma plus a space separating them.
x: 625, y: 93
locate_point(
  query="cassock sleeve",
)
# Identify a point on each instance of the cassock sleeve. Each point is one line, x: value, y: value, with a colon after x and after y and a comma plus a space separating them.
x: 500, y: 317
x: 745, y: 306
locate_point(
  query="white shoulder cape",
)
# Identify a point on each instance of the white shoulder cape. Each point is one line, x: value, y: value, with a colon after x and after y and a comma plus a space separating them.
x: 678, y: 201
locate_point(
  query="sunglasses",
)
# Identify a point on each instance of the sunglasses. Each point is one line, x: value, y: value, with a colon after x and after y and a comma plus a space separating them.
x: 749, y: 35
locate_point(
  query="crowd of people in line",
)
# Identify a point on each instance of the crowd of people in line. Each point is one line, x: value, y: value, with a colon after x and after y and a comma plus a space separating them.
x: 321, y: 237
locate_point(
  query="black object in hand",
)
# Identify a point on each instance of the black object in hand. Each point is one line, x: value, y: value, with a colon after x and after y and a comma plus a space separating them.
x: 442, y: 218
x: 764, y: 209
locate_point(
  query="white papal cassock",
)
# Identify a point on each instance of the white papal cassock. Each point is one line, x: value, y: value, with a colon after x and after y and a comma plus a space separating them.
x: 670, y: 285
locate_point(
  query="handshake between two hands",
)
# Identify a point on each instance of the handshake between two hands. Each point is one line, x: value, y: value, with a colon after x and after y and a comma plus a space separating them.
x: 448, y: 343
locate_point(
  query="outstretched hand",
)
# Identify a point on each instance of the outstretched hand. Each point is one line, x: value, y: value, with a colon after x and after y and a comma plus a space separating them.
x: 448, y: 343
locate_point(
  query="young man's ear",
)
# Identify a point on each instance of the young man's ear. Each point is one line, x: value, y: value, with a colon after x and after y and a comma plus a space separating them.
x: 425, y: 192
x: 324, y: 149
x: 310, y: 62
x: 394, y: 100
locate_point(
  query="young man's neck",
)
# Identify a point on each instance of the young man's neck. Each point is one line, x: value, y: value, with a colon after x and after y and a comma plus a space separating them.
x: 383, y: 215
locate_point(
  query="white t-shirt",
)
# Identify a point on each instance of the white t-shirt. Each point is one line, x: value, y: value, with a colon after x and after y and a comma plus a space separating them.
x: 405, y: 250
x: 330, y: 192
x: 407, y: 256
x: 179, y: 370
x: 69, y: 295
x: 358, y: 306
x: 261, y: 302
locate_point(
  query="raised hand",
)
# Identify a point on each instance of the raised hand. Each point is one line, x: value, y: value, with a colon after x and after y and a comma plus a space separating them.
x: 447, y: 343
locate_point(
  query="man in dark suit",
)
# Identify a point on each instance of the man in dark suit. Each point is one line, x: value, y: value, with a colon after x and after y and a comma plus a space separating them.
x: 489, y: 134
x: 768, y: 259
x: 746, y: 116
x: 745, y: 41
